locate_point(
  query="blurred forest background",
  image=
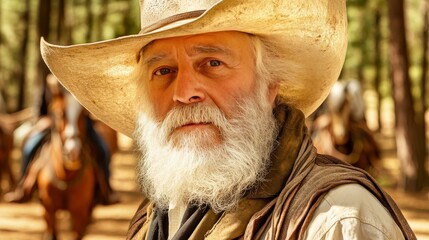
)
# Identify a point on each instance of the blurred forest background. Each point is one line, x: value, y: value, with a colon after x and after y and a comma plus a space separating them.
x: 388, y: 54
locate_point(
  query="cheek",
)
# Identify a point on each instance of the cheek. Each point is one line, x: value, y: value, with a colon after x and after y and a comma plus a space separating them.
x: 239, y: 86
x: 247, y: 83
x: 226, y: 100
x: 158, y: 105
x: 146, y: 102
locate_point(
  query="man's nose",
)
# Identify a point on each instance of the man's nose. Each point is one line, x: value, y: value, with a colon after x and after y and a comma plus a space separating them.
x: 188, y: 89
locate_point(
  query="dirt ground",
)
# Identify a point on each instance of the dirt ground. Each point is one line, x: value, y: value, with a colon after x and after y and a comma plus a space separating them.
x: 25, y: 222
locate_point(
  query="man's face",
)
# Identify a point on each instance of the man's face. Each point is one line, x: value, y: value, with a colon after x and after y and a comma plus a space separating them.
x: 215, y: 69
x: 206, y: 127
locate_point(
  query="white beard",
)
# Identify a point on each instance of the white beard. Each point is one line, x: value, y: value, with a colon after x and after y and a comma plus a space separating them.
x: 183, y: 168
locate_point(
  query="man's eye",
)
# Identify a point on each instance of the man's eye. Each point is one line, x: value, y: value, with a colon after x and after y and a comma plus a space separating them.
x: 214, y: 63
x: 162, y: 71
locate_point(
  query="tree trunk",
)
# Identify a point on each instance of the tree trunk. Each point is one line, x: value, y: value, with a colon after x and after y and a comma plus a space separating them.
x: 23, y: 56
x: 43, y: 31
x: 61, y: 33
x: 102, y: 19
x: 409, y: 153
x: 377, y: 60
x: 423, y: 80
x: 2, y: 74
x: 425, y: 45
x: 89, y: 21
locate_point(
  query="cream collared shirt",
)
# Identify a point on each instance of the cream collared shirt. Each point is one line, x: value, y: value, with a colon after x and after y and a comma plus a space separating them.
x: 175, y: 214
x: 352, y: 212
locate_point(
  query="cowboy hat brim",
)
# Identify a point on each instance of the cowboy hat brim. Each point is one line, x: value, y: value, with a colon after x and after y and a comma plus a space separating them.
x: 103, y: 75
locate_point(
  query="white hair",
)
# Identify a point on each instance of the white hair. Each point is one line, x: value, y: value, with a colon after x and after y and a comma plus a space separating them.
x: 272, y: 62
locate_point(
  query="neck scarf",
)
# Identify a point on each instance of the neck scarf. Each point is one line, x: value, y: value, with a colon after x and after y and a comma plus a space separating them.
x: 191, y: 218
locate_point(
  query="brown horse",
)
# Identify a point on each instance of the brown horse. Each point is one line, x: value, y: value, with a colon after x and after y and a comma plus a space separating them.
x: 6, y: 141
x: 64, y: 168
x: 6, y: 146
x: 8, y: 124
x: 340, y: 129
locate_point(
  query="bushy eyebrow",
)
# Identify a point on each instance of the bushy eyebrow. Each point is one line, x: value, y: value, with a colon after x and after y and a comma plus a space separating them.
x: 147, y: 61
x: 198, y: 49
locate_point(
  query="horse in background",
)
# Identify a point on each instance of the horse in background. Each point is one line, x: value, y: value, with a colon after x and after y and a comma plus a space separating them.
x: 6, y: 147
x: 8, y: 123
x: 63, y: 168
x: 339, y: 127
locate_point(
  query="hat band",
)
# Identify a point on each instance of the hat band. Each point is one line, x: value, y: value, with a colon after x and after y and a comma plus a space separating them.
x: 172, y: 19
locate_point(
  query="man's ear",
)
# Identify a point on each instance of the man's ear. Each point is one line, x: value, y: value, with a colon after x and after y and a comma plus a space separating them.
x: 273, y: 89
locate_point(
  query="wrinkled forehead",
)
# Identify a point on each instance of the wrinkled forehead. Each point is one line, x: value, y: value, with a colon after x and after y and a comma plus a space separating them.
x: 228, y: 42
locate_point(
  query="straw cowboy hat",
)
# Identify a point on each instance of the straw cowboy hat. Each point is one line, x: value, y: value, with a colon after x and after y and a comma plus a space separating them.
x: 102, y: 75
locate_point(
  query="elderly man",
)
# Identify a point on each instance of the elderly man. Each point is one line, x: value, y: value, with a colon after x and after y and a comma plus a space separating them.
x: 215, y: 93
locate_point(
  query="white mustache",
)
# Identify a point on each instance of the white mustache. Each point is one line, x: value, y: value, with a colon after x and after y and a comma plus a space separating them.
x: 192, y: 114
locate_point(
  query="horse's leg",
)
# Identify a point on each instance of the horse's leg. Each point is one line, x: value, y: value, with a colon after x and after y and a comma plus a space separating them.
x: 3, y: 159
x: 49, y: 216
x: 9, y: 173
x: 1, y: 176
x: 6, y: 172
x: 80, y: 210
x: 80, y: 219
x: 50, y: 198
